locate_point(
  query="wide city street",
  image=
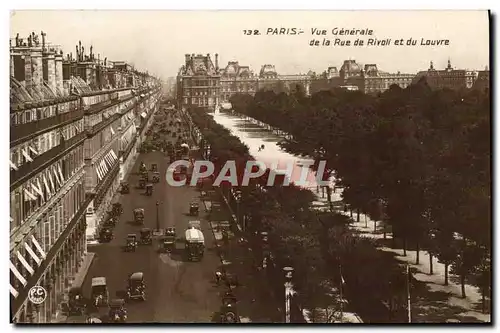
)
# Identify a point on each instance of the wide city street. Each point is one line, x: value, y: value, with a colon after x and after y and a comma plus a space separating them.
x: 176, y: 291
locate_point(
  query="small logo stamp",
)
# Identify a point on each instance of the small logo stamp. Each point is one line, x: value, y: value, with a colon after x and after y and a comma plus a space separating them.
x: 37, y: 295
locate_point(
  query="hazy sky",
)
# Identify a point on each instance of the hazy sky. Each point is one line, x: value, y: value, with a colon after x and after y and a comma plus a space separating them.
x: 158, y: 40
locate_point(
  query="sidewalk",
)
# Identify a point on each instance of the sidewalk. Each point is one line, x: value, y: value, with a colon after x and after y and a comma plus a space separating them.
x: 254, y: 303
x: 78, y: 281
x: 441, y: 301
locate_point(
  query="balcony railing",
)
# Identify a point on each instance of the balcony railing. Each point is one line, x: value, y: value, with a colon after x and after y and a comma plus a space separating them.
x: 24, y: 132
x: 103, y: 124
x: 24, y: 171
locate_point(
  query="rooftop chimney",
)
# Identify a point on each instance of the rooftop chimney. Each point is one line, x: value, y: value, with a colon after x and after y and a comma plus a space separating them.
x: 217, y: 61
x: 59, y: 71
x: 187, y: 58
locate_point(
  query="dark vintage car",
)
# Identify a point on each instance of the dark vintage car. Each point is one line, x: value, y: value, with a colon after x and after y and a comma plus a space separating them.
x: 117, y: 311
x: 154, y: 167
x: 131, y: 243
x: 146, y: 236
x: 106, y: 235
x: 156, y: 177
x: 149, y: 189
x: 136, y: 288
x: 116, y: 209
x: 194, y: 208
x: 229, y: 313
x: 77, y: 304
x: 125, y: 188
x: 139, y: 215
x: 99, y: 291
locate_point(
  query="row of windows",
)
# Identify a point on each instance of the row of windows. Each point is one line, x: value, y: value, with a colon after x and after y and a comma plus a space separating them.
x: 29, y: 150
x: 48, y: 230
x: 96, y: 99
x: 94, y: 144
x: 34, y: 193
x: 35, y: 114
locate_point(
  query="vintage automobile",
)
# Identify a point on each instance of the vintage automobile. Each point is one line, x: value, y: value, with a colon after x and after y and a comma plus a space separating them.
x: 106, y: 235
x: 149, y: 189
x: 167, y: 244
x: 194, y: 208
x: 154, y: 167
x: 146, y: 236
x: 194, y: 244
x: 136, y: 288
x: 194, y: 224
x: 77, y: 304
x: 125, y: 188
x: 117, y: 312
x: 156, y: 177
x: 99, y: 291
x: 139, y: 215
x: 116, y: 209
x: 228, y: 312
x: 131, y: 243
x: 170, y: 231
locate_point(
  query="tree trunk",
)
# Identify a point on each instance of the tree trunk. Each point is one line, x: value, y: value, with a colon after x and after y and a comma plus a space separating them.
x: 357, y: 213
x: 374, y: 225
x: 483, y: 300
x: 446, y: 274
x: 418, y: 253
x: 404, y: 246
x: 430, y: 264
x: 329, y: 196
x: 350, y: 212
x: 366, y: 222
x: 462, y: 285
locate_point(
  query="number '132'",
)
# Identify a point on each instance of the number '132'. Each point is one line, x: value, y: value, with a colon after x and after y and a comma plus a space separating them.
x: 251, y: 32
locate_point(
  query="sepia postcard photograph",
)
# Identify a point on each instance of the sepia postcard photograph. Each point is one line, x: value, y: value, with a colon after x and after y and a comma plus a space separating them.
x: 244, y: 167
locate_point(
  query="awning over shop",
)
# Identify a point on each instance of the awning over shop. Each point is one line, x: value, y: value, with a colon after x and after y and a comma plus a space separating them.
x: 51, y: 182
x: 47, y: 188
x: 60, y: 173
x: 25, y: 263
x: 29, y: 196
x: 37, y: 189
x: 13, y: 291
x: 32, y: 254
x: 33, y: 150
x: 98, y: 171
x: 18, y: 275
x: 56, y: 176
x: 26, y: 155
x: 38, y: 247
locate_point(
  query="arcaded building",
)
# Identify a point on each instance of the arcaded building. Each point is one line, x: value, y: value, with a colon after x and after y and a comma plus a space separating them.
x: 72, y: 123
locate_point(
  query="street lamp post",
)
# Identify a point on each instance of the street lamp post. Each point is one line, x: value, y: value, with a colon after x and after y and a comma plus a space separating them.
x: 288, y: 292
x: 237, y: 195
x: 157, y: 216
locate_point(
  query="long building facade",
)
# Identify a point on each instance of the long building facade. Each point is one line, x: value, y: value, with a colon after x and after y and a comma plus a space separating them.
x: 452, y: 78
x: 353, y: 76
x: 201, y: 83
x: 76, y: 122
